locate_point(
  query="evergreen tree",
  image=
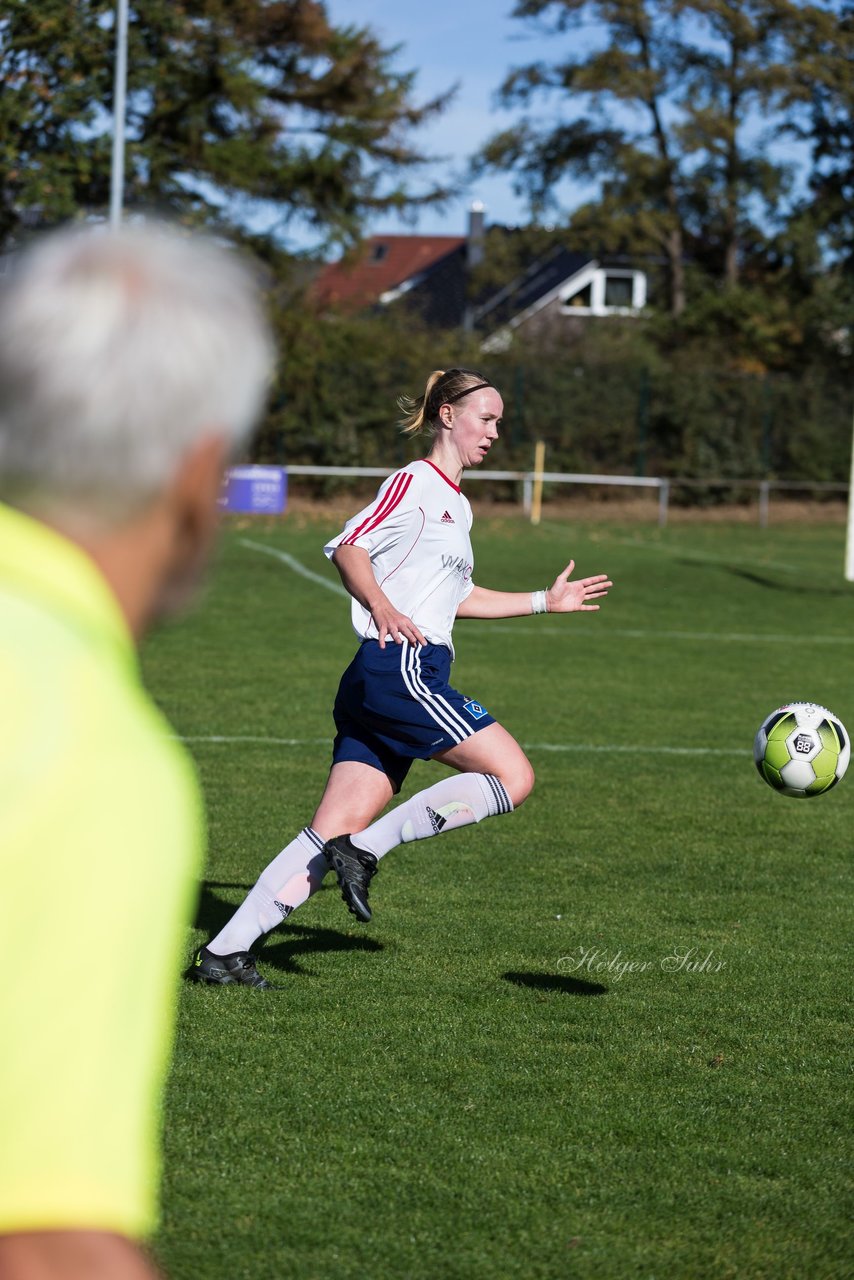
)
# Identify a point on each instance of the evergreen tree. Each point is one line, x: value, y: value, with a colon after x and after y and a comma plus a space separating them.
x: 236, y: 108
x: 658, y: 113
x: 822, y: 115
x: 55, y: 73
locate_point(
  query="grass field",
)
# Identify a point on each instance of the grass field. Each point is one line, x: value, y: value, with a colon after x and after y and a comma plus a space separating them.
x: 473, y: 1087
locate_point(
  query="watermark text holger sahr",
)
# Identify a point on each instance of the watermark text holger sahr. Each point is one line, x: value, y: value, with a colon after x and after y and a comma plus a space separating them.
x: 597, y: 960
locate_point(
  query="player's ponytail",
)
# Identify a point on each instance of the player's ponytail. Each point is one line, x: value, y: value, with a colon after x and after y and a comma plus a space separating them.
x: 422, y: 415
x: 414, y: 422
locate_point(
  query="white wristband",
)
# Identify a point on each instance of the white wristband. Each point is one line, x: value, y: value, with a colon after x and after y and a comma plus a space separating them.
x: 539, y: 602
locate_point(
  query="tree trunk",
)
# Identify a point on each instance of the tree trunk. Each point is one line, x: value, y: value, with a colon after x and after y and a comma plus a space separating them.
x: 730, y: 263
x: 676, y: 272
x: 674, y: 240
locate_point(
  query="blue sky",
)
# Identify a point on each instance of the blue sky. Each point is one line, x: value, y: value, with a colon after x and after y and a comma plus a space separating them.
x: 470, y: 43
x: 473, y: 44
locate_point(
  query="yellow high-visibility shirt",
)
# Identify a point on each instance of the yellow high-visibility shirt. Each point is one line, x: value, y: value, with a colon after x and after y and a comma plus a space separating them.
x: 101, y: 838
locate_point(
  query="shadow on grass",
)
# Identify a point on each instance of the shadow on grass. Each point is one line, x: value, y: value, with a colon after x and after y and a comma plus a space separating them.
x: 774, y: 584
x: 281, y: 947
x: 556, y: 982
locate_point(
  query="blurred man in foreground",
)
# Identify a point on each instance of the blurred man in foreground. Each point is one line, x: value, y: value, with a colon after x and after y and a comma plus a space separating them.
x: 132, y: 365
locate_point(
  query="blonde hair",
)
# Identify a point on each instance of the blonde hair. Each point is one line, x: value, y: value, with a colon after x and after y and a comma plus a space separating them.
x: 421, y: 416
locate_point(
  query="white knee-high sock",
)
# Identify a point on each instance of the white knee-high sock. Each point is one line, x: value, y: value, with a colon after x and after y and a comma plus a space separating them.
x: 453, y: 802
x: 291, y: 878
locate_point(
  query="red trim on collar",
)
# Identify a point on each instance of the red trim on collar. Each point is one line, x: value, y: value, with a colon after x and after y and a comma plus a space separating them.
x: 455, y: 487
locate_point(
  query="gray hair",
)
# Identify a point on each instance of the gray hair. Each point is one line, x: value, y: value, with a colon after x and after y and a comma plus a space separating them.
x: 118, y: 351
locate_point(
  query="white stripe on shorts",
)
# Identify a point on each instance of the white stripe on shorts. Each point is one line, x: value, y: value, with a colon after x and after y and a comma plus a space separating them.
x: 425, y: 698
x: 467, y: 730
x: 453, y: 715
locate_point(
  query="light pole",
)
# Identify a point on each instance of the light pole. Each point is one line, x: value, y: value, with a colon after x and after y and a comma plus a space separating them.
x: 849, y: 541
x: 117, y: 174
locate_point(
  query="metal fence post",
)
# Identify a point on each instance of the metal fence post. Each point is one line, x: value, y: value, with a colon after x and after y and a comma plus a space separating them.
x: 663, y: 502
x: 642, y: 418
x: 764, y: 494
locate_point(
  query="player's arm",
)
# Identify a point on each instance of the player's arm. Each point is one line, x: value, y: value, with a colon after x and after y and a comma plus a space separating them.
x: 72, y: 1255
x: 354, y: 565
x: 563, y: 596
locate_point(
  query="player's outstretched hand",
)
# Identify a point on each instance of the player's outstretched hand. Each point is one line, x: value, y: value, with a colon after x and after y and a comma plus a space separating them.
x: 394, y: 626
x: 570, y: 597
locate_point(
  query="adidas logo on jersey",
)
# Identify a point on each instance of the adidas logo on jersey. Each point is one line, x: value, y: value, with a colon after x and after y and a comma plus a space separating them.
x: 447, y: 518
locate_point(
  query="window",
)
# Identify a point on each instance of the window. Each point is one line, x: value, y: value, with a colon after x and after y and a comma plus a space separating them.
x: 378, y: 252
x: 584, y: 297
x: 618, y: 291
x: 605, y: 291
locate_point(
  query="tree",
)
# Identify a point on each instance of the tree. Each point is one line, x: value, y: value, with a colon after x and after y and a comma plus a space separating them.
x: 55, y: 74
x: 657, y: 113
x: 236, y: 108
x: 821, y: 103
x: 335, y: 399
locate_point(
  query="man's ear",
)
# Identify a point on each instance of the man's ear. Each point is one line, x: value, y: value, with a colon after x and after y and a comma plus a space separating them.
x: 197, y: 484
x: 187, y: 520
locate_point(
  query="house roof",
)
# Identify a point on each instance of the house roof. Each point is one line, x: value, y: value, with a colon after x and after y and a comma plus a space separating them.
x: 536, y: 285
x: 433, y: 275
x: 384, y: 264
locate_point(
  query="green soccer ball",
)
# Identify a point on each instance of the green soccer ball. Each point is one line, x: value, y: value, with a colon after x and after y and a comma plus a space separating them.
x: 801, y: 749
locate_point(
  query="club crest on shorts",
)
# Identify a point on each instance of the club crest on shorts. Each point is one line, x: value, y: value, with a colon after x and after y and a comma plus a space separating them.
x: 474, y: 709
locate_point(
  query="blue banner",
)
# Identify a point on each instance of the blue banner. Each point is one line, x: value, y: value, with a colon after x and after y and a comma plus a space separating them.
x: 255, y: 491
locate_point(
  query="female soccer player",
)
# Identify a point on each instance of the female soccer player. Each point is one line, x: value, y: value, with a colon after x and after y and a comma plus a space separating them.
x: 406, y: 560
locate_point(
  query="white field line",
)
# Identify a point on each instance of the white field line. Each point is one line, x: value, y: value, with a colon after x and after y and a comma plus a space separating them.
x: 725, y: 637
x: 600, y: 748
x: 551, y: 632
x: 294, y: 564
x: 228, y: 739
x: 614, y: 748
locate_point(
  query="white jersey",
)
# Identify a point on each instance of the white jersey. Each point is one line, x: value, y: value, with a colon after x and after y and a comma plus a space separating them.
x: 416, y: 532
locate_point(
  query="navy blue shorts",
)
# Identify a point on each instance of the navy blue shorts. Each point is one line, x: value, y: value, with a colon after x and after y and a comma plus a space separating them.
x: 395, y: 705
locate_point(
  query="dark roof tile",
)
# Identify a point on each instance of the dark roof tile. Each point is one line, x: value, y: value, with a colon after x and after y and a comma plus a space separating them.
x: 383, y: 264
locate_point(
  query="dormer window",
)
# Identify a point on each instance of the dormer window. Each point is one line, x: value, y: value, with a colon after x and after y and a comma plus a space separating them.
x: 618, y: 290
x: 605, y: 291
x: 583, y: 298
x: 378, y: 252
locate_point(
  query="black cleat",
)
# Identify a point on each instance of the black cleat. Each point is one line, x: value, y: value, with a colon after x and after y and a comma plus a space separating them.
x: 222, y: 971
x: 355, y: 869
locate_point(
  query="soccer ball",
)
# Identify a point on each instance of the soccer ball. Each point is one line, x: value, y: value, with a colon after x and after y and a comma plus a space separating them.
x: 801, y: 749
